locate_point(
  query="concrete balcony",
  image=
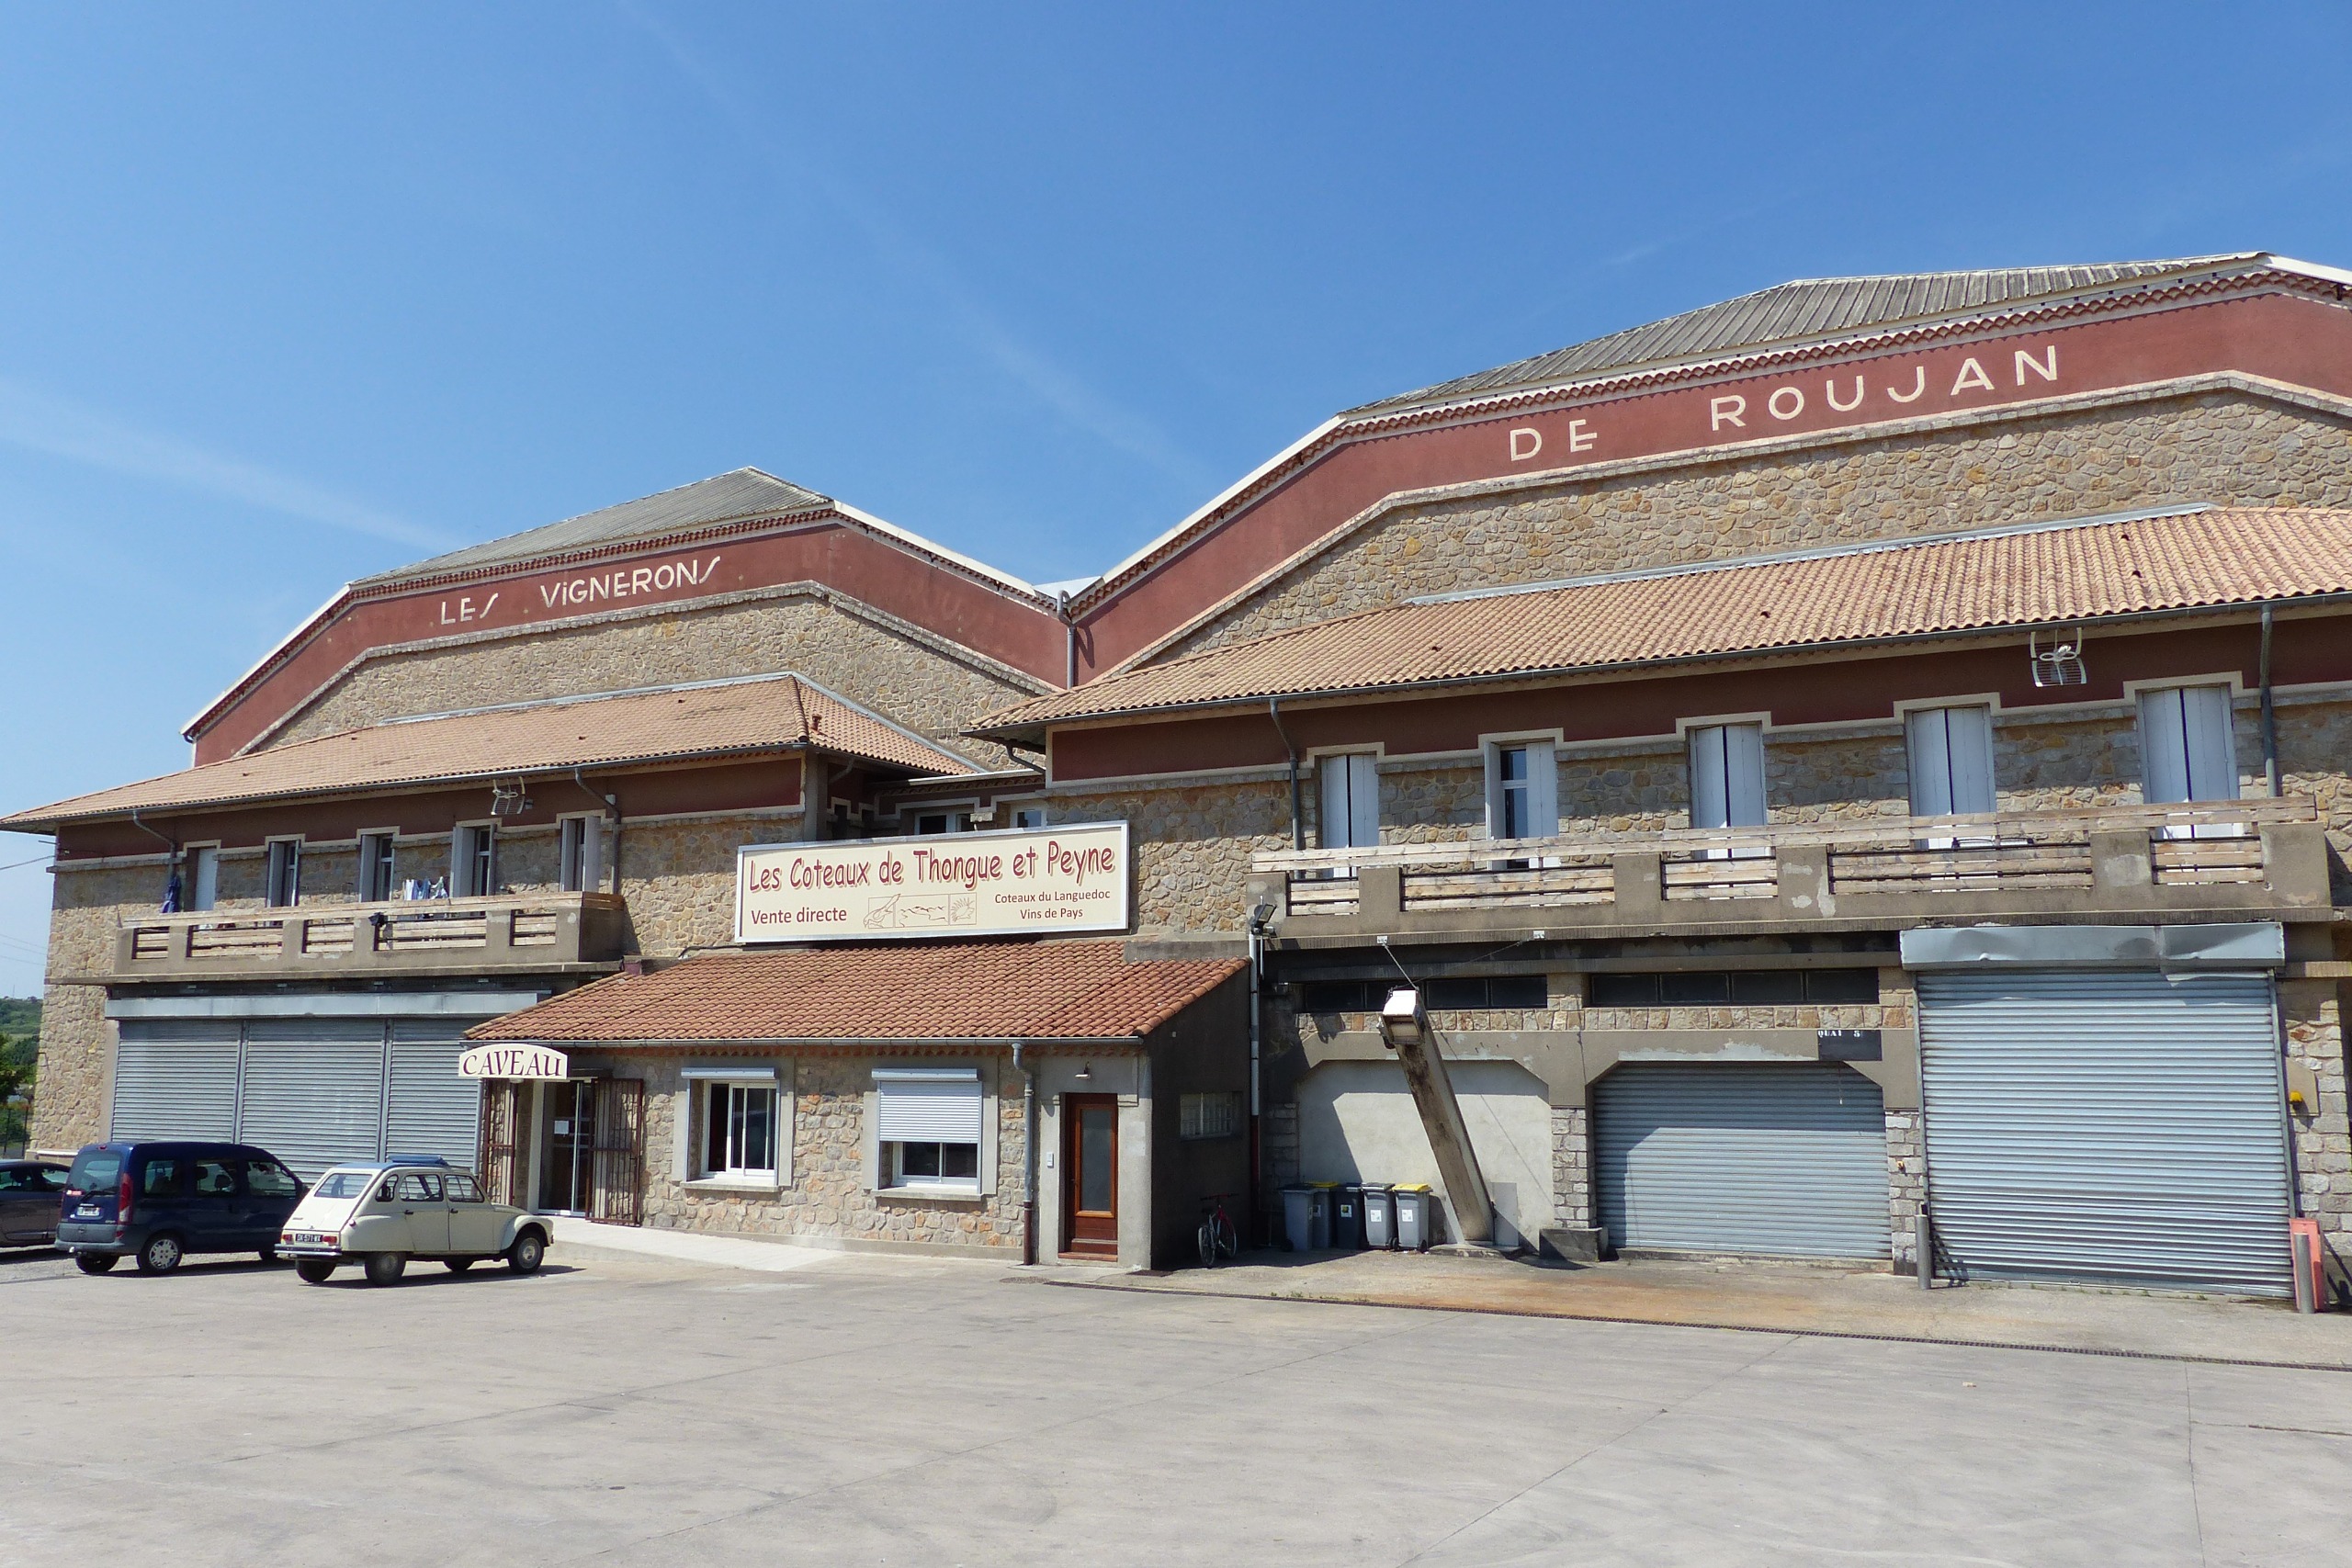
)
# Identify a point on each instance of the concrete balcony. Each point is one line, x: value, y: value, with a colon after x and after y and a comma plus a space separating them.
x: 2217, y: 861
x: 544, y: 931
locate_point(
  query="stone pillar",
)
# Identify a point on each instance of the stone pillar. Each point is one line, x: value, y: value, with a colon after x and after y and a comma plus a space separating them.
x: 1572, y: 1167
x: 2320, y: 1129
x: 1906, y: 1186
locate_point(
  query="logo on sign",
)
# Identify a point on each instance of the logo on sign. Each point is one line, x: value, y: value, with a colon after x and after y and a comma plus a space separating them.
x: 513, y: 1062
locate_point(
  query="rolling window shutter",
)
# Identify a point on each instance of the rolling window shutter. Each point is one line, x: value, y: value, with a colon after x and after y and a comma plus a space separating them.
x: 927, y: 1105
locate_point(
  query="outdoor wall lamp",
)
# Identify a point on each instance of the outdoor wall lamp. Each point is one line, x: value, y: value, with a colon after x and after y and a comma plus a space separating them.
x: 1085, y: 1072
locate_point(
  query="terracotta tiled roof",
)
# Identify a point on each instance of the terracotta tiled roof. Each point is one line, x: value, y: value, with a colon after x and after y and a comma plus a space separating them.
x: 1083, y: 991
x: 717, y: 719
x: 2038, y: 576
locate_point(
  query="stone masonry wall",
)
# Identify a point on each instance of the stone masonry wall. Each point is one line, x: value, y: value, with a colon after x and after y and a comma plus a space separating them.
x: 76, y: 1063
x: 916, y: 685
x: 827, y: 1196
x: 2222, y: 446
x: 1193, y: 845
x: 2312, y: 1013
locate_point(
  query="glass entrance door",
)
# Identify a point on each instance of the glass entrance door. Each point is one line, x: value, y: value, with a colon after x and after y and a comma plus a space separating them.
x: 567, y: 1158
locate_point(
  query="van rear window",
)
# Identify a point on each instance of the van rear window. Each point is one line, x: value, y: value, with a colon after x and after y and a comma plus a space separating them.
x: 345, y: 1183
x: 96, y: 1170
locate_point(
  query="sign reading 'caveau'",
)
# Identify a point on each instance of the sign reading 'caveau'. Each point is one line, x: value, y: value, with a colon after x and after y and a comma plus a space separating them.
x: 1005, y: 883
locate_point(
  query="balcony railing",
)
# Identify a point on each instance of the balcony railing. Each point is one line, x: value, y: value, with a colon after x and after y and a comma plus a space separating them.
x: 2222, y: 856
x: 436, y: 935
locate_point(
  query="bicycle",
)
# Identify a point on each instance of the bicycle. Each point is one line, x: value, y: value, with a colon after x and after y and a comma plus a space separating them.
x: 1216, y: 1236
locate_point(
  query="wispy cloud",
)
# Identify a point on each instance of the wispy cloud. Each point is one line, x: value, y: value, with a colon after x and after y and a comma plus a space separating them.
x: 59, y: 426
x: 981, y: 328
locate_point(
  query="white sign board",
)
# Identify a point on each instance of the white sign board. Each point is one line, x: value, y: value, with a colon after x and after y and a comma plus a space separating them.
x: 1008, y: 884
x: 513, y: 1062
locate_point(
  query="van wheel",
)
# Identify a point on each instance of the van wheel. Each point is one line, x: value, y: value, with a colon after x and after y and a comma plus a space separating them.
x: 457, y: 1265
x: 95, y: 1262
x: 315, y: 1270
x: 386, y: 1267
x: 528, y: 1253
x: 161, y: 1254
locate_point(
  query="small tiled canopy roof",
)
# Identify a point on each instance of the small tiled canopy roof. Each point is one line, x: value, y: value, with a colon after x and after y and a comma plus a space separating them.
x: 2033, y: 576
x: 993, y: 991
x: 724, y: 718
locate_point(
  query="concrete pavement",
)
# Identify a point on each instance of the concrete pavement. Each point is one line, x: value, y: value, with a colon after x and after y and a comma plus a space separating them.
x: 1802, y: 1298
x: 894, y: 1410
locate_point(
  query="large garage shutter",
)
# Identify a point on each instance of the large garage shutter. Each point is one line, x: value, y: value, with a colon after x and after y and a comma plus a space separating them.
x: 434, y: 1111
x: 2107, y: 1125
x: 1788, y: 1161
x: 176, y: 1078
x: 314, y: 1090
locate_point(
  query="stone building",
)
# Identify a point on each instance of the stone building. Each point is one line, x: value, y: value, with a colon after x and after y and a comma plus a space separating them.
x: 1914, y: 705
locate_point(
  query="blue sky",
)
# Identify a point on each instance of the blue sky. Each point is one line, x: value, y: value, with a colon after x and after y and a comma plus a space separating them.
x: 292, y: 294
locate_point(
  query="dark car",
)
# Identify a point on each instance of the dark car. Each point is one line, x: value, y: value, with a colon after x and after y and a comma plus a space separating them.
x: 160, y: 1203
x: 30, y: 1189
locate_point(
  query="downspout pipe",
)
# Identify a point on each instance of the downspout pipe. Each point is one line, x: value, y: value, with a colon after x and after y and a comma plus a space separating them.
x: 2269, y: 713
x: 1070, y: 641
x: 1257, y: 1144
x: 1028, y: 1153
x: 1298, y: 821
x: 171, y: 863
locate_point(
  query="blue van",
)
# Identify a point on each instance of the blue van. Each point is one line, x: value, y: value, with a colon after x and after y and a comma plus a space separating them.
x: 160, y: 1203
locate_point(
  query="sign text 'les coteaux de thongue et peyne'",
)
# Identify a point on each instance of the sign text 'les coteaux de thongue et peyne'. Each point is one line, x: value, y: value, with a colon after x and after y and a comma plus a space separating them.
x: 1003, y: 883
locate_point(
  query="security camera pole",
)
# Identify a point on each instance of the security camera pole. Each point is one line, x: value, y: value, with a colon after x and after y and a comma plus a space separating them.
x: 1405, y: 1025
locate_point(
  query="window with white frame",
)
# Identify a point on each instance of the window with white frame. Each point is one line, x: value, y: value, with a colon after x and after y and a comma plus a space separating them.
x: 375, y: 882
x: 204, y: 876
x: 739, y: 1129
x: 473, y: 860
x: 1350, y: 785
x: 928, y: 1127
x: 1727, y: 776
x: 1028, y: 816
x: 1522, y: 790
x: 1952, y: 760
x: 2187, y: 748
x: 935, y: 822
x: 283, y: 884
x: 580, y: 843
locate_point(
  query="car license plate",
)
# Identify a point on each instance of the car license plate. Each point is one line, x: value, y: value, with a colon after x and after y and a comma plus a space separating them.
x: 304, y: 1238
x: 86, y: 1211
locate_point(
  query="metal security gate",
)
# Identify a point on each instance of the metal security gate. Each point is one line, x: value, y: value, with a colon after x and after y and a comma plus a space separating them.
x: 313, y: 1091
x: 430, y: 1108
x: 2106, y: 1125
x: 176, y: 1078
x: 1786, y: 1161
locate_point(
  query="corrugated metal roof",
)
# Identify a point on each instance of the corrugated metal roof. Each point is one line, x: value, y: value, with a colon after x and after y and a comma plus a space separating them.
x: 770, y: 713
x: 991, y: 991
x: 2035, y: 576
x: 1804, y: 311
x: 734, y: 497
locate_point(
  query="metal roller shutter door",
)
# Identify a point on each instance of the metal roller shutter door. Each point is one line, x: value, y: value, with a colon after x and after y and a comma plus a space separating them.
x: 434, y: 1111
x: 2107, y: 1125
x: 176, y: 1078
x: 1784, y: 1161
x: 314, y: 1090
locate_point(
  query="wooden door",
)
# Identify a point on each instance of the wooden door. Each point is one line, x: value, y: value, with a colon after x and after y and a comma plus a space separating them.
x: 1090, y: 1175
